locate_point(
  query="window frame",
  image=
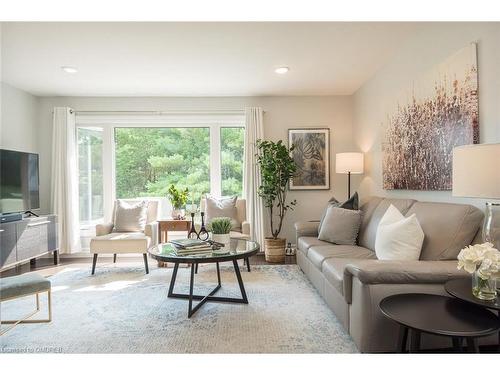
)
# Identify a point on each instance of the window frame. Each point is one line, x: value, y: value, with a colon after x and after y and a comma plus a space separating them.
x: 110, y: 122
x: 220, y: 157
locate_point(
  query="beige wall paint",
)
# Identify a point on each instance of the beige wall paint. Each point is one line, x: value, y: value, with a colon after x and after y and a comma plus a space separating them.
x: 282, y: 113
x: 354, y: 121
x: 19, y: 120
x: 428, y: 47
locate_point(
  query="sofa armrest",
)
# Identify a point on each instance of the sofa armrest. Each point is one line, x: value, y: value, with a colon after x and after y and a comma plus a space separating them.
x: 245, y: 228
x: 151, y: 230
x: 306, y: 229
x: 400, y: 272
x: 103, y: 229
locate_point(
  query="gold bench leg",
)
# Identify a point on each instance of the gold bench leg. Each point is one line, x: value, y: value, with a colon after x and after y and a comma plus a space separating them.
x: 25, y: 320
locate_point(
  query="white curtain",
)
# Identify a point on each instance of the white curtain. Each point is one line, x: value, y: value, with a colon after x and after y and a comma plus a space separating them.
x: 64, y: 189
x: 254, y: 129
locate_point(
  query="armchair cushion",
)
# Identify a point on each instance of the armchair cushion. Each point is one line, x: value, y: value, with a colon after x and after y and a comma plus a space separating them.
x: 120, y: 242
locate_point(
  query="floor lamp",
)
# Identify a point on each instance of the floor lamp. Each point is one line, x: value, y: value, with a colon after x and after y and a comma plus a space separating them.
x: 476, y: 174
x: 349, y: 163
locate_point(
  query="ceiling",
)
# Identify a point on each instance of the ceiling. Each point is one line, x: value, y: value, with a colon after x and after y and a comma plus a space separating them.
x: 196, y: 59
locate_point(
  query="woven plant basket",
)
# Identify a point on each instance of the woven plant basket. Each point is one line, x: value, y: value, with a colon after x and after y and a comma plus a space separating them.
x: 275, y: 250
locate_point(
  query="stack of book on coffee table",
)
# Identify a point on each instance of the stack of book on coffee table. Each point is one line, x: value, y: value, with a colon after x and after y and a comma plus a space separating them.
x: 189, y: 246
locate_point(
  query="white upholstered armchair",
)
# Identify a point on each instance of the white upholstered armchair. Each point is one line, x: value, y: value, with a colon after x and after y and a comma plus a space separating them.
x: 107, y: 241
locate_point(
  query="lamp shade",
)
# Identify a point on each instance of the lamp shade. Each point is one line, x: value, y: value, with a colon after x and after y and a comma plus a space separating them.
x: 346, y: 162
x: 476, y: 171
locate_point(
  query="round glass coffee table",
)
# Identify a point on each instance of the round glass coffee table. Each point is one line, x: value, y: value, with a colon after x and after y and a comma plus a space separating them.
x: 237, y: 249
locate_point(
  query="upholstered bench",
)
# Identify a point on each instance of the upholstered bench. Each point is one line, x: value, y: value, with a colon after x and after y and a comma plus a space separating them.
x: 21, y: 286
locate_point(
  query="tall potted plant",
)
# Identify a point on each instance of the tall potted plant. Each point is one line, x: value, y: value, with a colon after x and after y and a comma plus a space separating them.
x: 277, y: 167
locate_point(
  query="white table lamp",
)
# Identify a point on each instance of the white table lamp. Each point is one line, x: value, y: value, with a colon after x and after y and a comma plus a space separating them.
x: 349, y: 163
x: 476, y: 174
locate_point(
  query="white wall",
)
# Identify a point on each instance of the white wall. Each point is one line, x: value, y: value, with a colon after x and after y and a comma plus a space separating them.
x: 430, y: 46
x: 355, y: 122
x: 334, y: 112
x: 19, y: 120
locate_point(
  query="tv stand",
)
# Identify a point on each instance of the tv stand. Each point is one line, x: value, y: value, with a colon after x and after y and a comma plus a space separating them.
x: 31, y: 213
x: 26, y: 239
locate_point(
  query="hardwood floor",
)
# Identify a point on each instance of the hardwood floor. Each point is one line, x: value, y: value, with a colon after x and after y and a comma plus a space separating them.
x: 47, y: 264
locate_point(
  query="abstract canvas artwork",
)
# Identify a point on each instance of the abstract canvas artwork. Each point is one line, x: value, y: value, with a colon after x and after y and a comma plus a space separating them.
x: 312, y: 156
x: 440, y: 113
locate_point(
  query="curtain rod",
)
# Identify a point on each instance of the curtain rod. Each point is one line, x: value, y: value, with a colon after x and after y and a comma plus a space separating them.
x: 168, y: 112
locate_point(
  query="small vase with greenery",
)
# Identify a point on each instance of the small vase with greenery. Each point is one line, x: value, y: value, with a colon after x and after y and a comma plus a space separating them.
x: 178, y: 198
x: 221, y: 227
x: 277, y: 168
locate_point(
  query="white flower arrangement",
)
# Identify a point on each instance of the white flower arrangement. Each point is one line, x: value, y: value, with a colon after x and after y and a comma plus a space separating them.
x: 483, y: 258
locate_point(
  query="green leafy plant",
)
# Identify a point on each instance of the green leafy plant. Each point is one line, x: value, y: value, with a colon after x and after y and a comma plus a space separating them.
x: 277, y: 167
x: 178, y: 198
x: 221, y: 225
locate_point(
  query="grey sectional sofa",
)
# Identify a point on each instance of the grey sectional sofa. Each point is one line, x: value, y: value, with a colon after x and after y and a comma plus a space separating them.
x: 353, y: 282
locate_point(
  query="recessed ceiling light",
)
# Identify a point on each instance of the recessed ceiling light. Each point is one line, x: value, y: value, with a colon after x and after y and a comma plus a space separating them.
x: 69, y: 69
x: 282, y: 70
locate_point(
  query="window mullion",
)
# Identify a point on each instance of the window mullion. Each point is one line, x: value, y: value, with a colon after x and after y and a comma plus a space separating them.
x: 215, y: 161
x: 108, y: 172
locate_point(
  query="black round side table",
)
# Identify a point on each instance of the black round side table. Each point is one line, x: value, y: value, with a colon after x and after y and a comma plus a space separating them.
x: 438, y: 315
x: 462, y: 289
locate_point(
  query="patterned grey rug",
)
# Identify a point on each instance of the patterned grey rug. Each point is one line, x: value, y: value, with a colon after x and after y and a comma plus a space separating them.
x: 122, y: 310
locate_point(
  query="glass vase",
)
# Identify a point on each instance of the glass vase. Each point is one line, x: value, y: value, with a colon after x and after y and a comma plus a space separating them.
x: 484, y: 289
x: 491, y: 224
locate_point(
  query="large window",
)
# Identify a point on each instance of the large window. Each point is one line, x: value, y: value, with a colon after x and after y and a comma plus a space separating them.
x: 149, y: 160
x: 90, y: 170
x: 231, y: 151
x: 140, y: 156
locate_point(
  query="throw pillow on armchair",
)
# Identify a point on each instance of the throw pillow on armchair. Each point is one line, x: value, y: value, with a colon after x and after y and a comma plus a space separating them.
x: 130, y: 217
x: 222, y: 207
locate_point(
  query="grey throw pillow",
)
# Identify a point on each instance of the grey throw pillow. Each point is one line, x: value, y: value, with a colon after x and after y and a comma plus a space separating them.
x: 130, y: 217
x: 223, y: 207
x: 340, y: 226
x: 350, y: 204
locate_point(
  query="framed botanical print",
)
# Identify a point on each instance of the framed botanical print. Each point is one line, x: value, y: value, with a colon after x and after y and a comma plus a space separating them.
x: 311, y: 154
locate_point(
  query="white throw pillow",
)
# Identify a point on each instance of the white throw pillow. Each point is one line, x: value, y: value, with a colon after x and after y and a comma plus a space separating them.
x: 398, y: 237
x: 130, y: 217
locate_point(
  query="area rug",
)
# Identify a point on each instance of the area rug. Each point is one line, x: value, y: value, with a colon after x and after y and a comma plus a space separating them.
x: 122, y: 310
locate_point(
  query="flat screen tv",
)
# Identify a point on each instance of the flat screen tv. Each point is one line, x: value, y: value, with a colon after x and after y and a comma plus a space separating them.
x: 19, y: 185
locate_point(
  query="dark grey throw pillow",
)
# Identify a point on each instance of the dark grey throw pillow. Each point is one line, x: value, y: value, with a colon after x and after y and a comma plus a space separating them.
x: 340, y: 226
x: 350, y: 204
